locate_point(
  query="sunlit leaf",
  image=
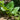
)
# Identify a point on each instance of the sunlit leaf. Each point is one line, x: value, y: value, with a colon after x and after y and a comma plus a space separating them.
x: 15, y: 10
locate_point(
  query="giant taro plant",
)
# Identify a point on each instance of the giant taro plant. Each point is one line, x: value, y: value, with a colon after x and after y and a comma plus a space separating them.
x: 10, y: 10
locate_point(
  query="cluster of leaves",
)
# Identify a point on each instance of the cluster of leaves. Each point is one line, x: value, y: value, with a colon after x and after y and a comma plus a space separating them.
x: 9, y: 8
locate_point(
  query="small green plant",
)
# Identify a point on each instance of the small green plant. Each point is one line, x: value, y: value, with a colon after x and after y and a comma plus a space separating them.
x: 10, y: 8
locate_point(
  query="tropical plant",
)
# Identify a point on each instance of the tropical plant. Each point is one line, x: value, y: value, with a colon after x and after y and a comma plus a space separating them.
x: 10, y: 10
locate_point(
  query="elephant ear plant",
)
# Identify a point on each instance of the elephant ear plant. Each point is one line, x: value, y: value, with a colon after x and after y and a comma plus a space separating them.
x: 9, y: 8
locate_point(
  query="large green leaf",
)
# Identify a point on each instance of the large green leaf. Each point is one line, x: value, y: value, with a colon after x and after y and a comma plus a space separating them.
x: 15, y: 11
x: 10, y: 5
x: 4, y: 8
